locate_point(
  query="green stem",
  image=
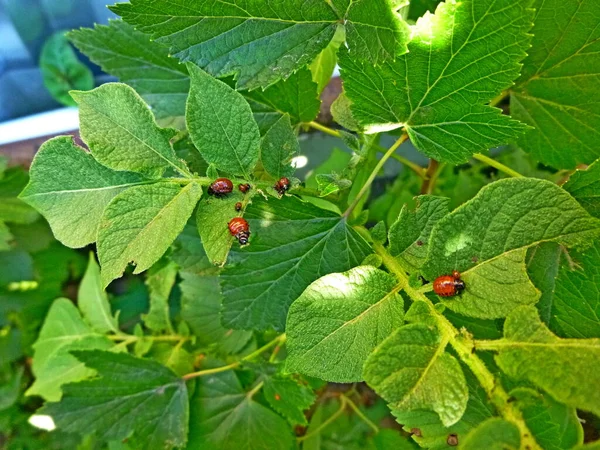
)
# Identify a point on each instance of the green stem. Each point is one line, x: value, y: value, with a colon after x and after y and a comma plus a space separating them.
x: 464, y: 347
x: 332, y: 418
x: 277, y: 348
x: 498, y: 165
x: 431, y: 175
x: 235, y: 364
x: 129, y: 337
x: 401, y: 159
x: 324, y: 129
x: 360, y: 414
x: 254, y: 390
x: 380, y: 163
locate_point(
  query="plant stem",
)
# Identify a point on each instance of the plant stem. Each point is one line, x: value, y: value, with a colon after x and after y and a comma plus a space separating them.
x: 332, y: 418
x: 129, y: 337
x: 360, y: 414
x: 277, y: 348
x: 254, y: 390
x: 430, y: 176
x: 324, y: 129
x: 235, y: 364
x: 464, y: 347
x: 374, y: 173
x: 498, y: 165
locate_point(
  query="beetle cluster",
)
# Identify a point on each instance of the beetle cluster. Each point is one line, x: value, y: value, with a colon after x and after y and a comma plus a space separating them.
x: 238, y: 226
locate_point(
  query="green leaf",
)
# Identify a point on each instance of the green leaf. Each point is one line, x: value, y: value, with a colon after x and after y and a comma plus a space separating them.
x: 554, y: 426
x: 221, y: 125
x: 141, y: 223
x: 53, y: 365
x: 13, y: 209
x: 338, y: 321
x: 434, y: 434
x: 277, y: 148
x: 296, y: 96
x: 557, y: 92
x: 324, y: 64
x: 576, y: 299
x: 160, y: 281
x: 418, y: 8
x: 200, y: 308
x: 409, y: 235
x: 504, y: 216
x: 330, y: 184
x: 495, y: 288
x: 438, y: 91
x: 212, y: 217
x: 11, y: 389
x: 130, y: 396
x: 164, y: 83
x: 261, y: 43
x: 129, y: 55
x: 73, y: 200
x: 294, y: 243
x: 93, y: 301
x: 531, y: 352
x: 225, y: 418
x: 5, y: 237
x: 62, y: 71
x: 289, y: 397
x: 374, y: 32
x: 542, y: 267
x: 493, y: 434
x: 411, y: 371
x: 121, y: 131
x: 584, y: 186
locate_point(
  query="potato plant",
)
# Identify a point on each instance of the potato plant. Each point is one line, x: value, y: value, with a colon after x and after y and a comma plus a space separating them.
x: 331, y: 327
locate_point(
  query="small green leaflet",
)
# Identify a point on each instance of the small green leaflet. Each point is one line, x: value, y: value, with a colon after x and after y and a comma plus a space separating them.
x: 164, y: 83
x: 92, y: 300
x: 221, y: 124
x: 176, y: 358
x: 438, y: 91
x: 121, y: 131
x: 130, y: 55
x: 338, y: 321
x: 576, y: 299
x: 531, y: 352
x: 324, y: 64
x: 409, y: 235
x: 289, y: 397
x: 71, y: 190
x: 493, y: 434
x: 212, y: 216
x: 293, y: 243
x: 160, y: 281
x: 259, y: 42
x: 141, y: 223
x: 277, y: 148
x: 62, y: 71
x: 557, y: 92
x: 130, y: 396
x: 584, y: 186
x: 225, y: 418
x: 507, y: 215
x: 411, y: 371
x: 53, y: 365
x: 495, y: 287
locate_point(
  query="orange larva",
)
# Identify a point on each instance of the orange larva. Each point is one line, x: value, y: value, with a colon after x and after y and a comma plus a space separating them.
x: 448, y: 285
x: 238, y: 227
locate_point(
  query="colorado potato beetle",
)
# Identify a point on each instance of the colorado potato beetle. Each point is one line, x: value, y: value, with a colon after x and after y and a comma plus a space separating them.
x: 282, y: 185
x: 448, y: 285
x: 238, y: 227
x: 220, y: 187
x: 244, y: 187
